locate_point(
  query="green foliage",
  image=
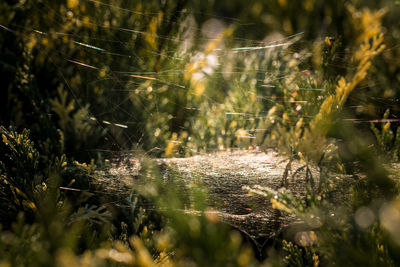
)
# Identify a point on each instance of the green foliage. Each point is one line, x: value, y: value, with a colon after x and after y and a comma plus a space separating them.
x: 388, y: 141
x: 83, y: 76
x: 36, y: 215
x: 299, y: 257
x: 76, y: 125
x: 18, y: 166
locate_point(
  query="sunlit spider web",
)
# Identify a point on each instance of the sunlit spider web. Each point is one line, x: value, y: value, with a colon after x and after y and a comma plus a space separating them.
x: 148, y: 87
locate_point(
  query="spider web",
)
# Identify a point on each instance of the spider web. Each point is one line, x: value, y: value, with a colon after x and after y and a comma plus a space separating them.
x: 119, y: 119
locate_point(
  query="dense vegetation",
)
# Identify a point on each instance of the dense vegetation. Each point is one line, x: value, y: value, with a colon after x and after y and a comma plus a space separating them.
x: 86, y: 82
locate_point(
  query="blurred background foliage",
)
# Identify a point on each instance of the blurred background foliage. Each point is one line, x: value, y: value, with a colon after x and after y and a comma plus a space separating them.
x: 84, y: 80
x: 113, y: 76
